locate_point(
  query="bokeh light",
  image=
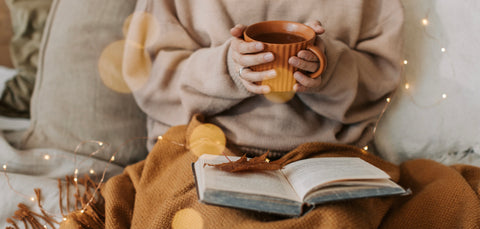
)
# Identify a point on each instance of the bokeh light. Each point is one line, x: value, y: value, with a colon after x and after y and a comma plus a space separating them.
x: 281, y: 86
x: 137, y: 65
x: 126, y: 25
x: 284, y: 80
x: 125, y: 65
x: 110, y: 67
x: 142, y: 30
x: 207, y: 139
x: 280, y: 97
x: 187, y: 218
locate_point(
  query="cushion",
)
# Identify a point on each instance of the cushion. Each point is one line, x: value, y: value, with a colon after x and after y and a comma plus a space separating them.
x: 435, y: 114
x: 5, y: 35
x: 28, y: 20
x: 71, y: 104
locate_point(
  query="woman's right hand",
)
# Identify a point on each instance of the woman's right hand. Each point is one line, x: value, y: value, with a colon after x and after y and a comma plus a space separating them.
x: 246, y: 54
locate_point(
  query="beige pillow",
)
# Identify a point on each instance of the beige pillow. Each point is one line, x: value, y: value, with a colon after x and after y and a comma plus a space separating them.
x: 5, y: 35
x: 71, y: 104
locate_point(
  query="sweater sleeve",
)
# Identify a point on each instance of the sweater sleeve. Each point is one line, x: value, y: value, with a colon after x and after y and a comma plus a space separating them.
x: 189, y: 72
x: 362, y: 74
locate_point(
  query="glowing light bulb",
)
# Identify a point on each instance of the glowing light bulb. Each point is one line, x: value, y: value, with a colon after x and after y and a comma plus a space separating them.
x: 405, y: 62
x: 443, y: 50
x: 75, y: 179
x: 82, y: 211
x: 112, y: 158
x: 4, y: 167
x: 160, y: 138
x: 444, y: 96
x: 365, y: 148
x: 425, y: 22
x: 32, y: 199
x: 76, y: 171
x: 46, y: 157
x: 92, y: 171
x: 100, y: 143
x: 64, y: 219
x: 407, y: 86
x: 388, y: 100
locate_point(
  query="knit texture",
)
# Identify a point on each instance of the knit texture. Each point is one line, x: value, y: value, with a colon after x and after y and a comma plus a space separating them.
x: 160, y: 193
x: 192, y: 71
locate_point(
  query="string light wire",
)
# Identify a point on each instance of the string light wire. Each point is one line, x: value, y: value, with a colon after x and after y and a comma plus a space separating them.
x: 424, y: 22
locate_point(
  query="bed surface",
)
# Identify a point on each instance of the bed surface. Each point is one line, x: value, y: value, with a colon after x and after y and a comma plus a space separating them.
x: 7, y: 123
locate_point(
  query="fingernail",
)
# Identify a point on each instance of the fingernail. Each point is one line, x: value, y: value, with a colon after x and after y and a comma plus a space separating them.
x: 293, y: 61
x: 266, y: 89
x: 268, y: 57
x: 320, y: 28
x: 271, y: 74
x: 259, y: 46
x: 297, y: 76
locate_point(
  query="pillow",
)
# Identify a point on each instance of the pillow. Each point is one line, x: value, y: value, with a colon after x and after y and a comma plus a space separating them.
x: 28, y: 20
x: 5, y: 35
x: 71, y: 104
x: 435, y: 114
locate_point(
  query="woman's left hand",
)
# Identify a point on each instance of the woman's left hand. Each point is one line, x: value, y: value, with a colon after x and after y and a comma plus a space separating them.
x: 306, y: 61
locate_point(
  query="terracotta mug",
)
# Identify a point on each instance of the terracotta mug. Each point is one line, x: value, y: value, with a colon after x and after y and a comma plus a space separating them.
x: 284, y: 39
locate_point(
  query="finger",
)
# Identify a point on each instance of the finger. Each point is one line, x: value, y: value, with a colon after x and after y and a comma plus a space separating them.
x: 237, y: 30
x: 299, y: 88
x: 302, y: 64
x: 254, y: 76
x: 316, y: 26
x: 307, y: 55
x: 252, y: 59
x: 254, y: 88
x: 306, y: 81
x: 244, y: 47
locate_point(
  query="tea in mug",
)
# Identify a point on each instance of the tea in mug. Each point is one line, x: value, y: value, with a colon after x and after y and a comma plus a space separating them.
x: 278, y: 38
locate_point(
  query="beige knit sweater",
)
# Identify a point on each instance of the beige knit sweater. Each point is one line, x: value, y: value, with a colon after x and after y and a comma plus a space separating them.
x: 192, y: 73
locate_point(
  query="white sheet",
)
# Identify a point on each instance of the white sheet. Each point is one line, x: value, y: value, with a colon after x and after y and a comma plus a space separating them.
x: 5, y: 74
x: 7, y: 123
x: 30, y: 169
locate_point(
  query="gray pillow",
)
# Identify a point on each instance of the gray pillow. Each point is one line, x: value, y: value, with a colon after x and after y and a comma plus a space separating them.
x: 71, y: 104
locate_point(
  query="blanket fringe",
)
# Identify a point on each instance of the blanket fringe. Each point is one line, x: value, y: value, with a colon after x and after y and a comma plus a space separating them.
x: 87, y: 210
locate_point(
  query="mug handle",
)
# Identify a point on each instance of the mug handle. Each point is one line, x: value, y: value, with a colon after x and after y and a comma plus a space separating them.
x: 322, y: 59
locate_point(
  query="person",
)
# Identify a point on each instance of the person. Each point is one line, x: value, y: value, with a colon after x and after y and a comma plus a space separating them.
x: 198, y: 52
x: 201, y: 66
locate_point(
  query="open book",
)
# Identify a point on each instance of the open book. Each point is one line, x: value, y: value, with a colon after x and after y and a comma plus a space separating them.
x: 293, y: 190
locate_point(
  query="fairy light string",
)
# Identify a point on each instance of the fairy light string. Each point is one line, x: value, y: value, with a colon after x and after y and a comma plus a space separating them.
x: 84, y: 205
x: 102, y: 146
x: 425, y: 23
x: 112, y: 159
x: 27, y: 197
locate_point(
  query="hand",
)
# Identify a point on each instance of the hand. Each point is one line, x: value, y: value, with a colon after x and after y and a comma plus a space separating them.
x: 306, y: 61
x: 246, y: 54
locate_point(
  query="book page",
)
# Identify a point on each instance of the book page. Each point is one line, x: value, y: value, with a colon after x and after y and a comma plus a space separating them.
x: 354, y: 189
x: 268, y: 183
x: 305, y: 175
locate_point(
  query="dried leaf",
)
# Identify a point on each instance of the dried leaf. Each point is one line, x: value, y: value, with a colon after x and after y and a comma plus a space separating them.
x: 243, y: 164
